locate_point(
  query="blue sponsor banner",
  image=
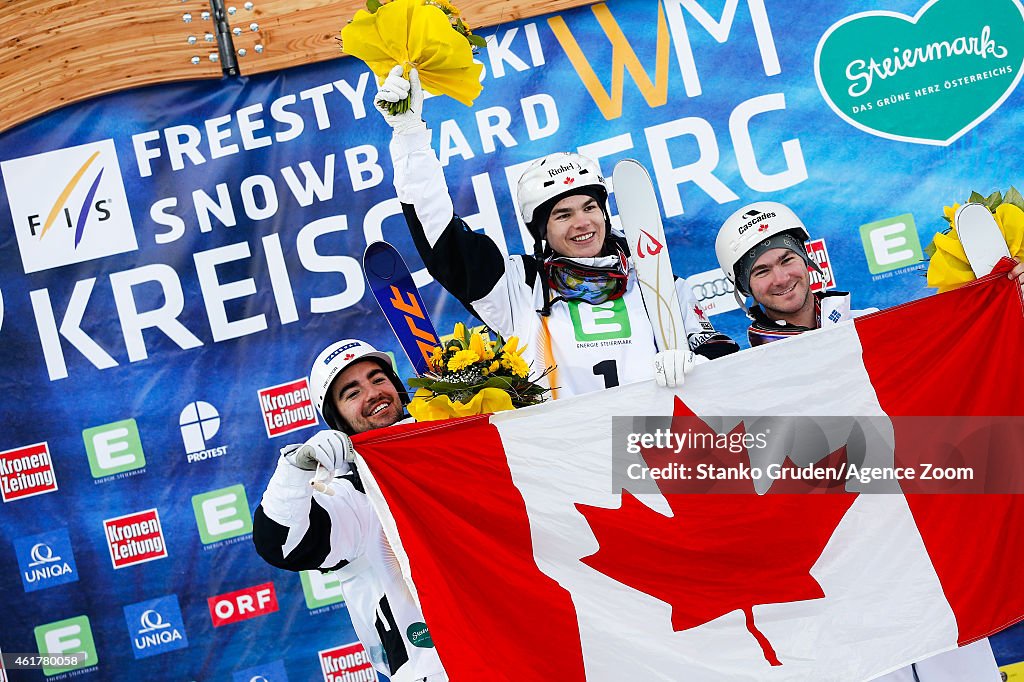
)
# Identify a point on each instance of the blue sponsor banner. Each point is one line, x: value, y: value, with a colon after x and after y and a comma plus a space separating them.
x: 46, y: 560
x: 269, y: 672
x: 168, y: 253
x: 155, y: 626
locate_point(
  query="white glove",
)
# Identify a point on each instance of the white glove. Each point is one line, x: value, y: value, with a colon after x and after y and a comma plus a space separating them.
x: 330, y: 449
x: 395, y: 88
x: 671, y: 367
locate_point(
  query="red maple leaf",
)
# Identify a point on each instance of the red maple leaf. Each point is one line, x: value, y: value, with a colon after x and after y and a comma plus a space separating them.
x: 719, y: 552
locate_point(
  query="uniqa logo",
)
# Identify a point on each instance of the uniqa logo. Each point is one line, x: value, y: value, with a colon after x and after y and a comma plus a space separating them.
x: 44, y: 564
x: 154, y: 631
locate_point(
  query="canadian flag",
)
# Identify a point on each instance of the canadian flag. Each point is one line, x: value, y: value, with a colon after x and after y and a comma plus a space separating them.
x: 530, y: 565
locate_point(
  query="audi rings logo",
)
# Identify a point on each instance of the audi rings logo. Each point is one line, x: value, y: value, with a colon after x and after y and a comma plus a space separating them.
x: 705, y: 291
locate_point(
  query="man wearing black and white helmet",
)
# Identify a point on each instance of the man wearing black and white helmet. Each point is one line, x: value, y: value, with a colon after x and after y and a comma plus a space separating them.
x: 332, y: 527
x: 761, y: 248
x: 575, y: 299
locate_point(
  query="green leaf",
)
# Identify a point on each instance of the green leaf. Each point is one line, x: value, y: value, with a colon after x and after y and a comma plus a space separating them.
x: 1014, y: 197
x: 476, y: 41
x: 975, y: 198
x: 993, y: 200
x: 373, y: 5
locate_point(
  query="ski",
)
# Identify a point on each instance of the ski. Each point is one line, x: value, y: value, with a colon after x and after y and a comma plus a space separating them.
x: 979, y: 234
x: 640, y: 214
x: 399, y: 299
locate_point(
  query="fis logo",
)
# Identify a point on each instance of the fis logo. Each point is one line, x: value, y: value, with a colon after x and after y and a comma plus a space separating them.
x: 287, y: 407
x: 268, y: 672
x: 199, y: 422
x: 155, y: 626
x: 826, y: 279
x: 347, y: 663
x: 46, y: 560
x: 69, y: 206
x: 26, y: 471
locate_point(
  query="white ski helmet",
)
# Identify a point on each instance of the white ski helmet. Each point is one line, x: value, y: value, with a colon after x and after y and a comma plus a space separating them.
x: 750, y: 226
x: 332, y: 361
x: 552, y: 178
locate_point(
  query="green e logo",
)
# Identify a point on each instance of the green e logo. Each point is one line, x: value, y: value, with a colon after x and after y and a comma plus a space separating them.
x: 113, y: 448
x: 608, y: 320
x: 71, y: 636
x: 890, y: 244
x: 222, y: 514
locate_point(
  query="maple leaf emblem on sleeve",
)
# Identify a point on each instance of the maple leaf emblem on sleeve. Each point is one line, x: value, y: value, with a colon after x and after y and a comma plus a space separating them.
x: 718, y: 552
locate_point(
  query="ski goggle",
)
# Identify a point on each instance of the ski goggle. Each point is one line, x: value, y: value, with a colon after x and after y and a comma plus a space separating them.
x: 589, y: 280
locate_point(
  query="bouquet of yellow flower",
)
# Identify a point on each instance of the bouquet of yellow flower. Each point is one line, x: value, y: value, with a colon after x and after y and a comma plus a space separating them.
x: 429, y: 35
x: 948, y: 267
x: 471, y: 374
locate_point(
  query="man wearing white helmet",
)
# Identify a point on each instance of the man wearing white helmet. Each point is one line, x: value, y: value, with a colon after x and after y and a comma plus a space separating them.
x: 333, y: 527
x: 761, y: 250
x: 575, y: 299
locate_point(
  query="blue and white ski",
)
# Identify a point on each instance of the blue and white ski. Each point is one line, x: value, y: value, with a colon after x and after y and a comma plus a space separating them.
x: 392, y: 285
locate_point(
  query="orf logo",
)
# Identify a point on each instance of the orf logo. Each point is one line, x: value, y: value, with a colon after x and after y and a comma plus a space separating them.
x: 45, y: 560
x: 155, y: 626
x: 251, y: 602
x: 69, y: 206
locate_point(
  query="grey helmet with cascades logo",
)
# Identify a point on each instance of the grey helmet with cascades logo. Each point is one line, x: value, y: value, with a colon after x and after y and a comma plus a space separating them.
x: 331, y: 362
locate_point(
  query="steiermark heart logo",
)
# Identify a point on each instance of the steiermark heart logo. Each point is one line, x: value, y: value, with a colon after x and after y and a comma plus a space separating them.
x: 929, y: 78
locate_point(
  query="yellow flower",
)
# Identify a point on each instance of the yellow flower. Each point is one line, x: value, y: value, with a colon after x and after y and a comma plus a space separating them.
x: 414, y: 34
x: 462, y: 360
x: 493, y: 367
x: 436, y: 358
x: 460, y: 332
x: 425, y: 406
x: 445, y: 6
x: 476, y: 344
x: 949, y: 268
x: 515, y: 364
x: 510, y: 345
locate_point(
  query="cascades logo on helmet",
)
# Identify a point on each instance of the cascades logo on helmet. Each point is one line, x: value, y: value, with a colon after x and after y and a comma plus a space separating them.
x: 757, y: 217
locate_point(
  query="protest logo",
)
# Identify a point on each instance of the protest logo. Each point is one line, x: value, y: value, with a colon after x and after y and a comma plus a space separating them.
x: 155, y: 626
x: 347, y: 663
x: 69, y: 206
x: 929, y: 78
x: 249, y: 602
x: 826, y: 279
x: 26, y: 471
x: 135, y: 538
x: 287, y: 407
x: 199, y: 423
x: 46, y: 560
